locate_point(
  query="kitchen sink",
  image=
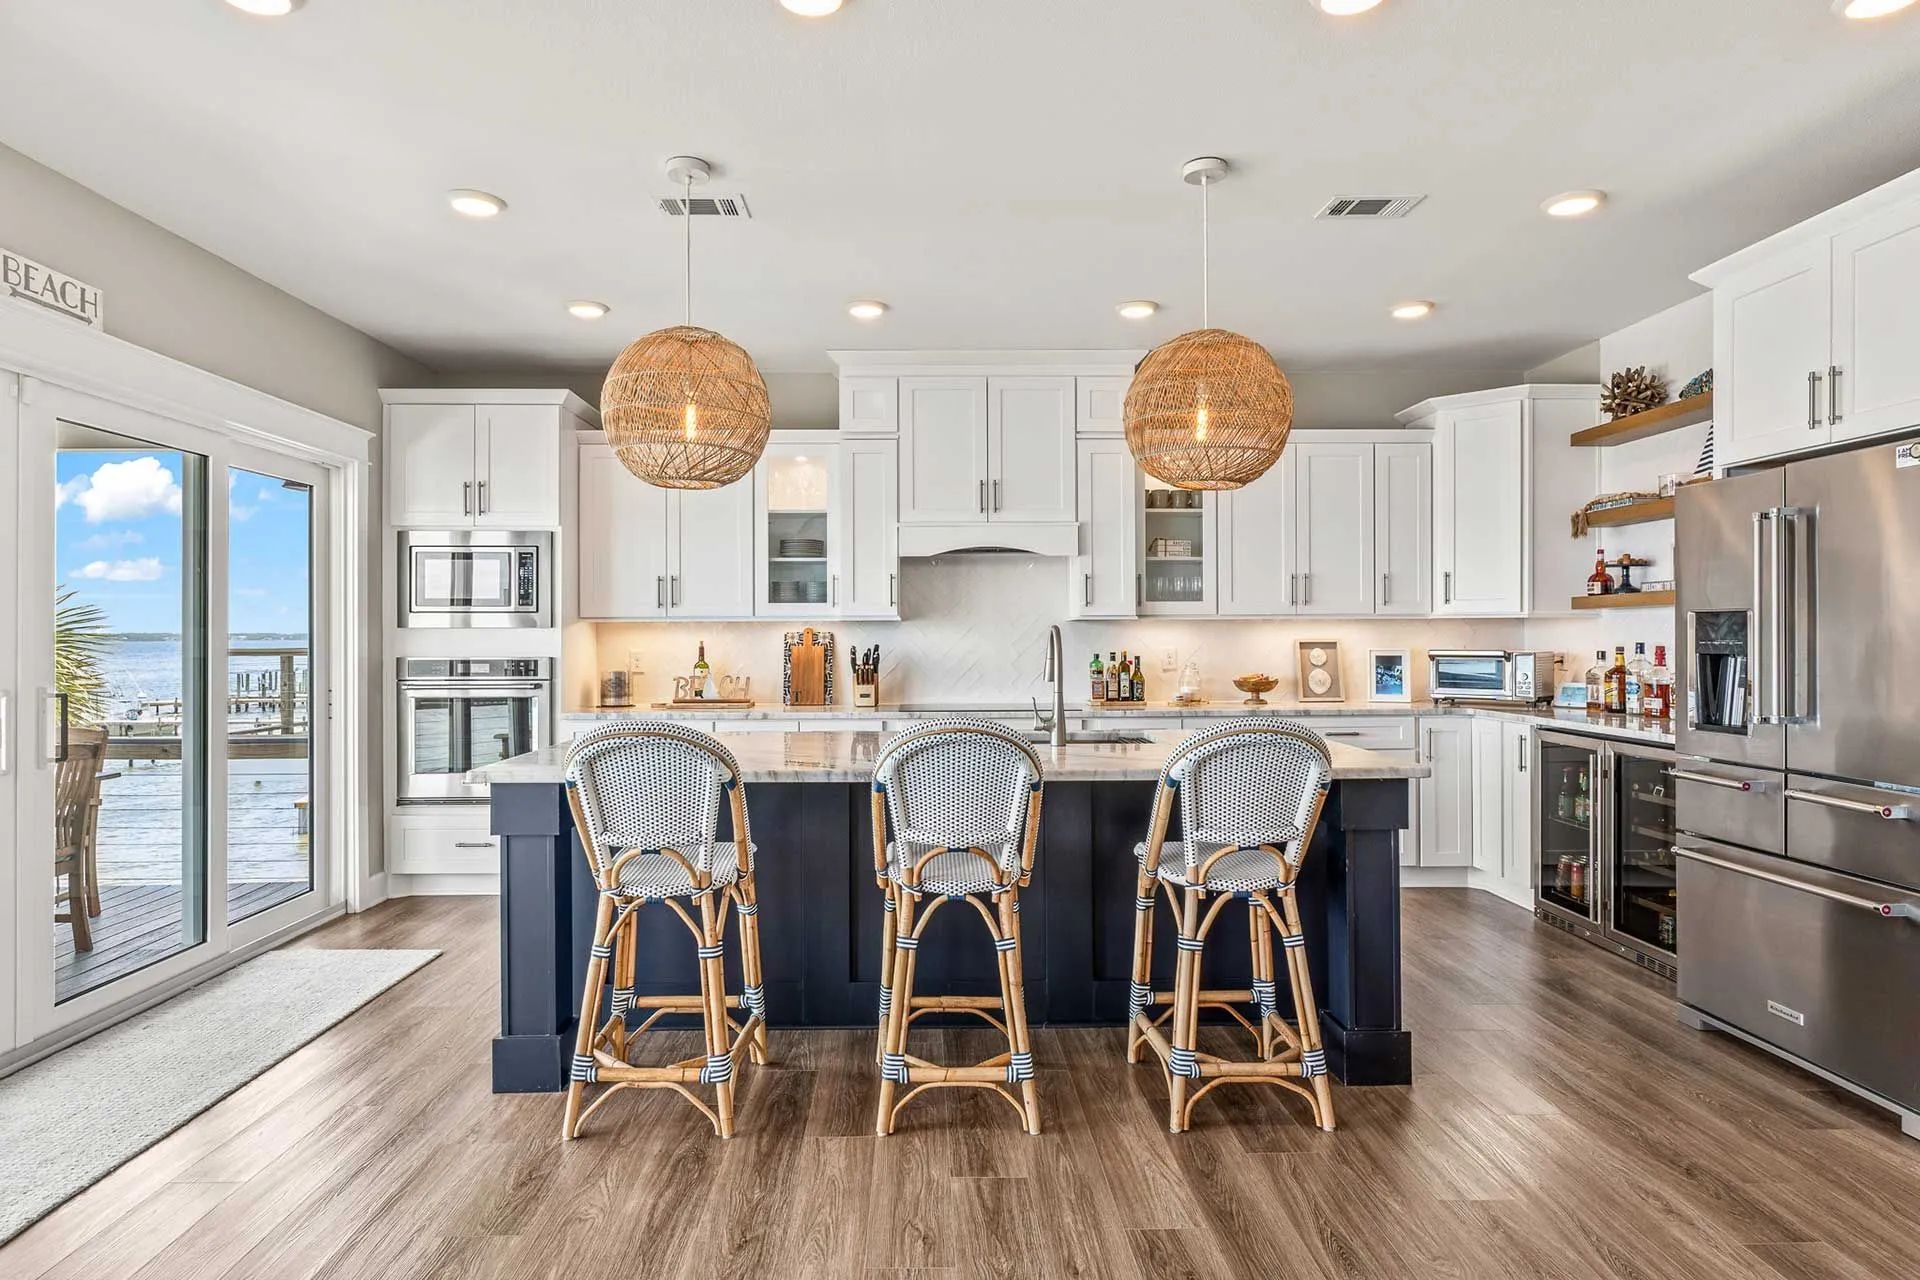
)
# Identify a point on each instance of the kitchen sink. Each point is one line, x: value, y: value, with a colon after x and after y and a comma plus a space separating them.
x: 1039, y: 737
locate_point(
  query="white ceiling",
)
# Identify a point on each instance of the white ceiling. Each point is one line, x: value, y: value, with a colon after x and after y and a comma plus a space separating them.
x: 1001, y: 171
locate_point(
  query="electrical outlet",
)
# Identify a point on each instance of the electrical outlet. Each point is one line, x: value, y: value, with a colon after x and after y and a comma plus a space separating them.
x: 1169, y: 661
x: 633, y: 662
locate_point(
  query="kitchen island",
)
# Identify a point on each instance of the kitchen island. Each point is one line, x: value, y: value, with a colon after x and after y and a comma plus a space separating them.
x: 820, y: 911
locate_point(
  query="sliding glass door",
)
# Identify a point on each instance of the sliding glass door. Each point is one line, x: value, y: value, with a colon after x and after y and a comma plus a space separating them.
x: 168, y: 794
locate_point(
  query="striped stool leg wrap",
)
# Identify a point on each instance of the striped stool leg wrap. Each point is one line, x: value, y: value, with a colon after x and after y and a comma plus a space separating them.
x: 1293, y: 939
x: 890, y: 904
x: 602, y: 952
x: 1139, y: 999
x: 622, y: 1000
x: 1142, y: 904
x: 1016, y: 904
x: 907, y: 942
x: 886, y: 1001
x: 1189, y: 944
x: 713, y: 952
x: 1266, y: 997
x: 719, y: 1069
x: 755, y: 998
x: 893, y: 1066
x: 584, y: 1070
x: 1019, y: 1068
x: 1313, y: 1063
x: 747, y: 908
x: 1182, y: 1062
x: 1005, y: 944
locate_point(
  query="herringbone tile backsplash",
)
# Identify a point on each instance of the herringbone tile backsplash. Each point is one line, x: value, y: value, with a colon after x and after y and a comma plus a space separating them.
x: 975, y: 630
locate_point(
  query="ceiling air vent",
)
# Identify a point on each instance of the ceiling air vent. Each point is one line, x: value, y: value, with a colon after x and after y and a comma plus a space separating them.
x: 705, y: 206
x: 1369, y: 206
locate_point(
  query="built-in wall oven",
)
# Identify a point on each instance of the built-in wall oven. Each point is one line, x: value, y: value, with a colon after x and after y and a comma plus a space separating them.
x: 457, y: 714
x: 475, y: 578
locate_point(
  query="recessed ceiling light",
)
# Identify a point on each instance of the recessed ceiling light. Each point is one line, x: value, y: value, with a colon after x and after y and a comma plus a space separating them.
x: 1138, y: 309
x: 867, y: 309
x: 1344, y: 8
x: 1573, y: 204
x: 1868, y: 8
x: 587, y: 309
x: 1413, y: 311
x: 811, y: 8
x: 267, y: 8
x: 476, y: 204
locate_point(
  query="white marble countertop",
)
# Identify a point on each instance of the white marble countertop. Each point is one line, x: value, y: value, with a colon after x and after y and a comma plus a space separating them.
x: 848, y: 757
x: 1568, y: 719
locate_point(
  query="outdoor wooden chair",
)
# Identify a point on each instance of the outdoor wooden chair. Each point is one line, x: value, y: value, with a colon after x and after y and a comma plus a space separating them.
x: 1250, y: 793
x: 76, y: 823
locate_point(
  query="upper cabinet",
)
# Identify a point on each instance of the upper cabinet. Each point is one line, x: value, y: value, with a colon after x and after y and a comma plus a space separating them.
x: 642, y: 552
x: 1333, y: 536
x: 865, y: 541
x: 463, y: 460
x: 1403, y: 528
x: 975, y: 450
x: 1814, y: 330
x: 1256, y: 544
x: 1030, y: 455
x: 1104, y: 582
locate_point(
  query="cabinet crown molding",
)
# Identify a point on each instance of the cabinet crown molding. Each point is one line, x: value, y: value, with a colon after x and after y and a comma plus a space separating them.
x: 1497, y: 395
x: 492, y: 395
x: 982, y: 363
x: 1889, y: 195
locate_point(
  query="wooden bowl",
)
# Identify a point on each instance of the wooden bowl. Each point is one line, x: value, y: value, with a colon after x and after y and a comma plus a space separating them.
x: 1255, y: 685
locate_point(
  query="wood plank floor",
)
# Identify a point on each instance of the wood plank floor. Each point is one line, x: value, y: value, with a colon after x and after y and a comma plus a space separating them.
x: 139, y: 924
x: 1561, y: 1124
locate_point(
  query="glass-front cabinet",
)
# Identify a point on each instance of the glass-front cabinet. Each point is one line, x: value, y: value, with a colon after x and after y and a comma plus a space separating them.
x: 1177, y: 555
x: 793, y: 541
x: 1603, y: 844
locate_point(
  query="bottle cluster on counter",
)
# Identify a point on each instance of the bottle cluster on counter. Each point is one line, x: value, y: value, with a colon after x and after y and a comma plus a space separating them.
x: 1633, y: 687
x: 1118, y: 679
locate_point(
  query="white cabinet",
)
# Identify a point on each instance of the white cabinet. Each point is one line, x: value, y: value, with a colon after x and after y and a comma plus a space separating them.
x: 1479, y: 533
x: 1502, y: 809
x: 1104, y: 580
x: 1030, y: 453
x: 643, y: 552
x: 796, y: 546
x: 869, y: 405
x: 1179, y: 557
x: 1333, y: 527
x: 487, y: 466
x: 1102, y: 409
x: 1772, y: 336
x: 1403, y: 528
x: 1875, y: 375
x: 1489, y: 796
x: 453, y: 843
x: 865, y: 543
x: 943, y: 450
x: 1446, y: 797
x: 1256, y: 539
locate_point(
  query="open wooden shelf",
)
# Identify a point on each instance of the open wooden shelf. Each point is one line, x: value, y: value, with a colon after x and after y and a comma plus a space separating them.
x: 1632, y: 513
x: 1652, y: 422
x: 1629, y: 600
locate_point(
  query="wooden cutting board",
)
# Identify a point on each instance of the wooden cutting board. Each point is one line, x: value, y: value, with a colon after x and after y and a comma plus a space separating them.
x: 807, y: 671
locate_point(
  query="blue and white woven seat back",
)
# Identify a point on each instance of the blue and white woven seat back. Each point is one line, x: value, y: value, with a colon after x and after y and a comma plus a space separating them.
x: 651, y: 784
x: 959, y: 784
x: 1249, y: 782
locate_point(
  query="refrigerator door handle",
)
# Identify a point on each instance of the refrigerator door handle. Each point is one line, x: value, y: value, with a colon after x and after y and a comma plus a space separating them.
x: 1887, y: 812
x: 1885, y: 910
x: 1763, y: 679
x: 1715, y: 780
x: 1792, y: 532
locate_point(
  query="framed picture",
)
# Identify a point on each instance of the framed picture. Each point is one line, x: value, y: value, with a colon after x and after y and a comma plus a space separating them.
x: 1390, y: 673
x: 1320, y: 672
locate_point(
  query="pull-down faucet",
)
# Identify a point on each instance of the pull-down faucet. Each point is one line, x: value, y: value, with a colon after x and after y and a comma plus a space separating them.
x: 1056, y: 724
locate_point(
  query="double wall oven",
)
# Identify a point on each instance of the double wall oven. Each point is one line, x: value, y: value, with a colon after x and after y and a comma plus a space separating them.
x: 1799, y: 790
x: 456, y: 714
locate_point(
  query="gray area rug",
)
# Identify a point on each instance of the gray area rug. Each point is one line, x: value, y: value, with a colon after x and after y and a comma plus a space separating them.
x: 69, y: 1120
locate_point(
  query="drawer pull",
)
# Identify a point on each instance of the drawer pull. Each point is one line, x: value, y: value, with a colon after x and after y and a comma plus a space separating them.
x: 1885, y: 910
x: 1342, y: 733
x: 473, y: 844
x: 1888, y: 812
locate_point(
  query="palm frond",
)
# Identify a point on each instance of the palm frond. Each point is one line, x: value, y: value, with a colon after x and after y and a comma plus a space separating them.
x: 81, y: 641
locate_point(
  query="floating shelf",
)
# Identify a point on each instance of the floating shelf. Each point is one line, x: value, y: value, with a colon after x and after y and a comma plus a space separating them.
x: 1628, y: 600
x: 1632, y: 513
x: 1652, y: 422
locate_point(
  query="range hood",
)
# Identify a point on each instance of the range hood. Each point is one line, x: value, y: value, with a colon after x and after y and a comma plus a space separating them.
x: 1011, y: 537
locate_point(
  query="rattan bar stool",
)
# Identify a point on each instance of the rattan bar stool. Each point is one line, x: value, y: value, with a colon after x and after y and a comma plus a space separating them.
x: 646, y: 799
x: 1250, y: 793
x: 963, y: 799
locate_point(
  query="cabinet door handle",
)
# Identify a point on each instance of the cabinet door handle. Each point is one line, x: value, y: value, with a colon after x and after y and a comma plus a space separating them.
x: 673, y: 590
x: 1386, y: 588
x: 1813, y: 398
x: 1446, y: 592
x: 466, y: 497
x: 996, y: 495
x: 1833, y: 394
x: 892, y: 599
x: 833, y: 590
x: 1293, y: 588
x: 983, y: 497
x: 483, y: 497
x: 660, y: 592
x: 1139, y: 589
x: 1306, y: 588
x: 6, y: 732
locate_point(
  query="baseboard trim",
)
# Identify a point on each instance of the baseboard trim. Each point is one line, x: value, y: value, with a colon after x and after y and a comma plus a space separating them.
x: 441, y: 885
x: 1462, y: 878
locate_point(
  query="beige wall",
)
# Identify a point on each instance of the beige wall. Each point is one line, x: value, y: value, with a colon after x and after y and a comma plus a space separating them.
x: 171, y: 296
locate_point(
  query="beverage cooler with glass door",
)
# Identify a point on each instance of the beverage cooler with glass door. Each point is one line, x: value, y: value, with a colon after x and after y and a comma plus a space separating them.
x: 1603, y: 845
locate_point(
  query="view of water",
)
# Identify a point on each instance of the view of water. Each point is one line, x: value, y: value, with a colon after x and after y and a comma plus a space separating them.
x: 142, y: 669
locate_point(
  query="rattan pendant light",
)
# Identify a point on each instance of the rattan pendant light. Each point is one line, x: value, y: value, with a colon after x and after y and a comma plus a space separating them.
x: 683, y: 407
x: 1208, y: 409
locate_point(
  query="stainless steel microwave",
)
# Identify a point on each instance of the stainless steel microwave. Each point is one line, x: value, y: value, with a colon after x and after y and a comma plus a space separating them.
x: 475, y: 578
x: 1490, y: 675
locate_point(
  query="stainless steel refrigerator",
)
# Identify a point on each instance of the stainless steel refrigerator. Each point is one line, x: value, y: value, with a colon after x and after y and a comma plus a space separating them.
x: 1798, y: 791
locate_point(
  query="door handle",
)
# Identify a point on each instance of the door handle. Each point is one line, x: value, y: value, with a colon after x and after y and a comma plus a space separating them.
x: 1813, y: 398
x: 833, y: 590
x: 1306, y: 588
x: 483, y: 497
x: 1715, y: 780
x: 1293, y: 588
x: 1086, y: 589
x: 57, y: 749
x: 6, y: 732
x: 1833, y: 394
x: 673, y: 590
x: 983, y: 497
x: 466, y: 497
x: 1885, y: 910
x: 1446, y: 587
x: 892, y: 599
x: 996, y: 495
x: 1386, y: 588
x: 660, y: 591
x: 1887, y: 812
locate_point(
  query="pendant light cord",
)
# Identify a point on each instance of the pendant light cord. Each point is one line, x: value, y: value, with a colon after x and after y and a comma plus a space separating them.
x: 1205, y: 299
x: 686, y: 284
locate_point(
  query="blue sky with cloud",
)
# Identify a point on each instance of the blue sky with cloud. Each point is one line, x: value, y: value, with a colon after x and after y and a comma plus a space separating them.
x: 118, y: 527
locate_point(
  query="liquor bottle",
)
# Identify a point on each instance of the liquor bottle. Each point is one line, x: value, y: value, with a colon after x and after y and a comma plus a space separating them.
x: 702, y: 673
x: 1098, y: 674
x: 1597, y: 683
x: 1113, y: 676
x: 1139, y: 681
x: 1563, y: 802
x: 1660, y: 703
x: 1617, y: 682
x: 1126, y: 678
x: 1583, y: 802
x: 1600, y: 582
x: 1638, y: 673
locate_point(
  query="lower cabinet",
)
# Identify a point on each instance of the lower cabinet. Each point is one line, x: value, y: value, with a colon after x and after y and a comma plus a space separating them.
x: 1503, y: 809
x: 454, y: 842
x: 1446, y: 831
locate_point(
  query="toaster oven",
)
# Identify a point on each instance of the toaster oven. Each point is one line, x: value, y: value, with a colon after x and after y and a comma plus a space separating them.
x: 1491, y: 675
